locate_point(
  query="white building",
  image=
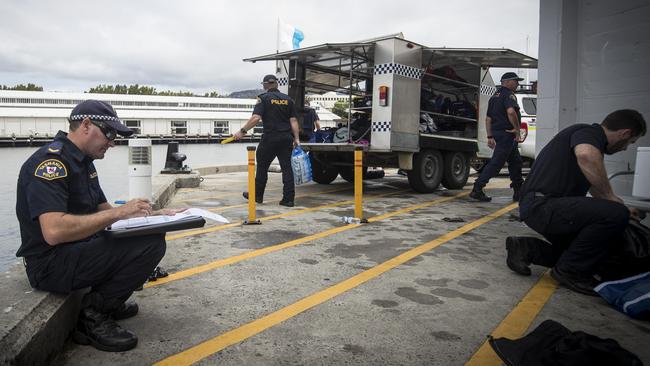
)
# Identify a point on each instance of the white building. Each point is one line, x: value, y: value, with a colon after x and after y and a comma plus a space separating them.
x: 327, y: 100
x: 594, y: 58
x: 25, y: 114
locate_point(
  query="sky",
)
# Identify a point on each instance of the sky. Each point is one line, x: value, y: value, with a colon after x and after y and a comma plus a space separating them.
x: 198, y: 46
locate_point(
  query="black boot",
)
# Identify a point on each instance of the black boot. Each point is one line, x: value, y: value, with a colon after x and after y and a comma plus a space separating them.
x: 102, y: 332
x: 125, y: 311
x: 519, y: 257
x: 580, y: 284
x: 258, y: 199
x: 287, y: 203
x: 479, y: 195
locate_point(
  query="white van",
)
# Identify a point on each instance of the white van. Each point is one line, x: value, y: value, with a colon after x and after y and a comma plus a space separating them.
x: 528, y: 108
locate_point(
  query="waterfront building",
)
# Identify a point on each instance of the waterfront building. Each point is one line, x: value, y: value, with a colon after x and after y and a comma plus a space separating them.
x: 39, y: 115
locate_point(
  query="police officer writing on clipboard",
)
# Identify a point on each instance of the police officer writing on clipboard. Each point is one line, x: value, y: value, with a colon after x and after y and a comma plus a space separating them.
x: 502, y: 125
x: 62, y: 213
x: 278, y: 115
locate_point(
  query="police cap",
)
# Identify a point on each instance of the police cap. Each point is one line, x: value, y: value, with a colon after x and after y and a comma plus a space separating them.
x: 269, y: 79
x: 99, y: 111
x: 510, y: 76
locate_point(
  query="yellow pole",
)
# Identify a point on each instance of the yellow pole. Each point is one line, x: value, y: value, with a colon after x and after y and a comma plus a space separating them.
x: 252, y: 219
x: 358, y: 183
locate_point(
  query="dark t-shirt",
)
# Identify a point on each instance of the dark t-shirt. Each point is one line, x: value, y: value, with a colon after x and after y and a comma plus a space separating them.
x: 498, y: 109
x: 556, y: 172
x: 309, y: 119
x: 56, y: 178
x: 275, y: 108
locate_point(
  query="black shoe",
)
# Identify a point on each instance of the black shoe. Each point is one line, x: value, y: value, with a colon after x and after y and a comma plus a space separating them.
x: 102, y: 332
x: 287, y: 203
x: 479, y: 195
x: 125, y: 311
x: 583, y: 285
x: 257, y: 199
x: 517, y: 259
x: 157, y: 273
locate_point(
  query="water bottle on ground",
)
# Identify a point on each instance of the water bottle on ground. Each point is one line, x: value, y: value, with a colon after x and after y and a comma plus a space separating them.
x: 350, y: 220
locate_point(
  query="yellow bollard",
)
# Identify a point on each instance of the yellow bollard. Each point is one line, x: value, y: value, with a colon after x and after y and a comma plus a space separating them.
x: 252, y: 219
x: 358, y: 184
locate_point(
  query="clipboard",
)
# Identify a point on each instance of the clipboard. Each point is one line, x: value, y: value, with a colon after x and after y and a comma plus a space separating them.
x: 191, y: 222
x: 228, y: 140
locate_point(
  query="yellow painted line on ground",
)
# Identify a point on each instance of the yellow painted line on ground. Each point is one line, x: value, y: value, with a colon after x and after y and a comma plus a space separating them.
x: 212, y: 229
x: 517, y: 321
x: 220, y: 342
x: 215, y: 209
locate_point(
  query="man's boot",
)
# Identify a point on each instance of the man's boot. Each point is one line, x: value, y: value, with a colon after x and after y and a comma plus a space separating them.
x: 519, y: 256
x: 478, y: 194
x: 125, y: 311
x: 258, y: 198
x: 102, y: 332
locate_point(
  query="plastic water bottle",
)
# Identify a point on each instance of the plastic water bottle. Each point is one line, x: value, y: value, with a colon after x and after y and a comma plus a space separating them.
x: 350, y: 220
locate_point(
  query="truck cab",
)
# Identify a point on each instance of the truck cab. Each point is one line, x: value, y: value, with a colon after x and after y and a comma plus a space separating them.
x: 425, y: 106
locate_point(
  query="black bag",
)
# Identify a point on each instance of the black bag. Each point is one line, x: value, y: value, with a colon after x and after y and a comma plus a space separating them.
x: 637, y: 240
x: 552, y: 344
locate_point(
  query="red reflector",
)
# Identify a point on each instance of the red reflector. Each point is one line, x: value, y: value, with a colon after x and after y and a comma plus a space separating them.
x: 523, y: 129
x: 383, y: 95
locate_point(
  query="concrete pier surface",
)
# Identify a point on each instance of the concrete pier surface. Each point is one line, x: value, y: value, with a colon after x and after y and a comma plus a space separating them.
x: 423, y: 283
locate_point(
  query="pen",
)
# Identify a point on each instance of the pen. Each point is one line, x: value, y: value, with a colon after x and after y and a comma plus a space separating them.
x: 120, y: 202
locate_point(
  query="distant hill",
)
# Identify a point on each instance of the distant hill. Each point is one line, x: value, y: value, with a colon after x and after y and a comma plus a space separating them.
x: 251, y: 93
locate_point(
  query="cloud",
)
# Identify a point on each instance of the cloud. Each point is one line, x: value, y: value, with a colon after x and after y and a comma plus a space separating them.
x: 199, y: 45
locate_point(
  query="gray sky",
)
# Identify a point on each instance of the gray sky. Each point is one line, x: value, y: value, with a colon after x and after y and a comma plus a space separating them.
x: 199, y: 45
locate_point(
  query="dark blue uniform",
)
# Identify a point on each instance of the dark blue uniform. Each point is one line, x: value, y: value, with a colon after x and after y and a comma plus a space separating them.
x: 506, y: 148
x: 553, y: 203
x: 276, y: 109
x: 308, y: 123
x: 61, y: 178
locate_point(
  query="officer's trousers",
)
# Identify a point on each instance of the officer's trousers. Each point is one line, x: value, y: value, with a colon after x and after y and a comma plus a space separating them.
x: 280, y: 145
x: 582, y: 230
x: 113, y: 268
x: 506, y: 149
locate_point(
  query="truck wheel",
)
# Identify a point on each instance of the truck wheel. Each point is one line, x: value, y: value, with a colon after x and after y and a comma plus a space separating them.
x: 347, y: 173
x: 456, y: 170
x: 323, y: 174
x: 427, y: 169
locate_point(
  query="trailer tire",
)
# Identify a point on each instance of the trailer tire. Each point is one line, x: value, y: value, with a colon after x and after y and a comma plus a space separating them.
x: 347, y: 173
x: 427, y: 169
x: 456, y: 170
x: 321, y: 173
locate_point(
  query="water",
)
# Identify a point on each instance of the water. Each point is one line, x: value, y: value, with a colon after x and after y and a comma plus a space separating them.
x: 112, y: 171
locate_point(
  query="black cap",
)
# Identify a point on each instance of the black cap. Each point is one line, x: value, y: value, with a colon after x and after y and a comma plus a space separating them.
x: 510, y: 76
x: 99, y: 111
x: 269, y: 79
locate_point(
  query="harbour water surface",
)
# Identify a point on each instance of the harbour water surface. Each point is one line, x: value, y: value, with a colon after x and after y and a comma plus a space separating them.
x: 113, y: 178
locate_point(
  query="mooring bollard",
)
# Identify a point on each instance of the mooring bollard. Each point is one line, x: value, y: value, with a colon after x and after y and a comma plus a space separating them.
x: 358, y: 184
x: 252, y: 219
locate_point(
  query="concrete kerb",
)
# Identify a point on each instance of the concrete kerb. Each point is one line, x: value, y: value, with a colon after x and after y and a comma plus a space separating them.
x: 35, y: 324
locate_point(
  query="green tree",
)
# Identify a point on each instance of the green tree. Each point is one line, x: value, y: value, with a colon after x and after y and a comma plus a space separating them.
x: 23, y: 87
x: 341, y: 109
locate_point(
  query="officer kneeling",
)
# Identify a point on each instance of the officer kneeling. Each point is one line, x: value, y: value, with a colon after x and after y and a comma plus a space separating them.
x: 62, y: 213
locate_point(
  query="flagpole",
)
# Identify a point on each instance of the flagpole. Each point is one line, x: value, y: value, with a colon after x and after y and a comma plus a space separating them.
x: 277, y: 37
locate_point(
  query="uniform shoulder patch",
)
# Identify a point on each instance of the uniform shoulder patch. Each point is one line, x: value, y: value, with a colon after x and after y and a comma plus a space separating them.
x: 51, y: 169
x: 512, y: 96
x: 258, y: 100
x: 55, y: 148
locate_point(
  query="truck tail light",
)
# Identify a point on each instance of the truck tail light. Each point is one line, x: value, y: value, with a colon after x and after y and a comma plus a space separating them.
x: 523, y: 128
x: 383, y: 95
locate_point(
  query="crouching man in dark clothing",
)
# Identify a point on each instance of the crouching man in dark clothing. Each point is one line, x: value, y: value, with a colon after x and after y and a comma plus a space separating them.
x: 62, y: 213
x: 580, y: 229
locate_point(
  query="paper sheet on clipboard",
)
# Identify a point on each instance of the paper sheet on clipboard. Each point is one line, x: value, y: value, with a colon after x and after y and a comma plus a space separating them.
x: 161, y: 219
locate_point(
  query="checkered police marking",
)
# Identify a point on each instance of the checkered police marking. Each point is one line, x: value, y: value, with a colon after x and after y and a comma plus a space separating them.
x: 398, y: 69
x: 283, y: 81
x: 94, y: 117
x: 380, y: 126
x: 51, y: 169
x: 488, y: 90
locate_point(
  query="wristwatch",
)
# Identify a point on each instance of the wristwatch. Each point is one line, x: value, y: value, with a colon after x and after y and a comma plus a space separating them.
x: 243, y: 131
x: 489, y: 137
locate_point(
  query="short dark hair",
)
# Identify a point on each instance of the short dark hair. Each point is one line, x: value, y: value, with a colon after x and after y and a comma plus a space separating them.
x: 74, y: 125
x: 625, y: 119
